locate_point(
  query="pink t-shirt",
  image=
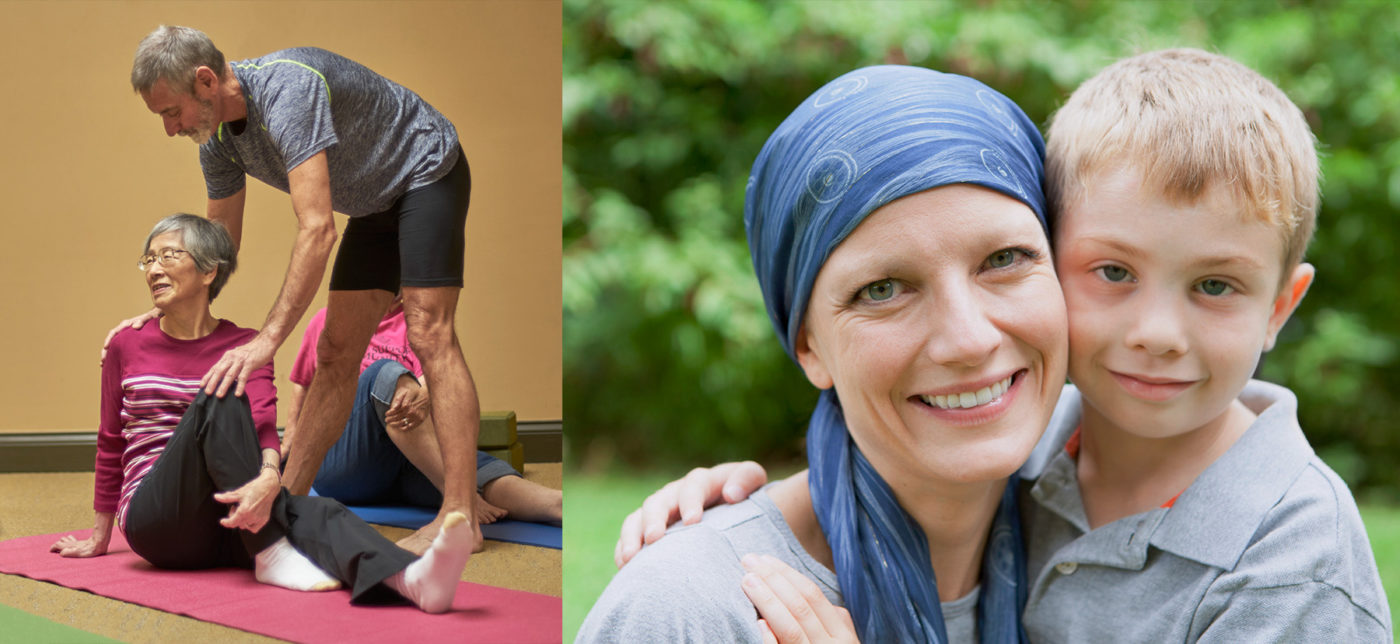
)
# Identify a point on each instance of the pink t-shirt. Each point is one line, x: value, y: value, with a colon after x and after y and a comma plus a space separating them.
x: 149, y: 379
x: 389, y: 341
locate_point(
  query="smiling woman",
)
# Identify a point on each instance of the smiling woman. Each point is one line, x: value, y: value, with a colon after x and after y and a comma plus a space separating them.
x: 926, y: 337
x: 896, y: 224
x: 212, y: 258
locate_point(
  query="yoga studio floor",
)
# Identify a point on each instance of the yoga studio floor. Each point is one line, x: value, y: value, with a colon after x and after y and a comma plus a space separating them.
x: 32, y: 504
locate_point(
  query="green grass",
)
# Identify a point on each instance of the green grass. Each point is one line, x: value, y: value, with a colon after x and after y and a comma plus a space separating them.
x: 1383, y: 527
x: 596, y: 505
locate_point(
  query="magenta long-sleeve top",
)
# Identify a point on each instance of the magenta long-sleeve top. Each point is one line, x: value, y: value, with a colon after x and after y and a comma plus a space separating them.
x: 149, y: 379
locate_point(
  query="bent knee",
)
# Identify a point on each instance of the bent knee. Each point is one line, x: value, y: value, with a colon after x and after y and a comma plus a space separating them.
x: 431, y: 338
x: 337, y: 356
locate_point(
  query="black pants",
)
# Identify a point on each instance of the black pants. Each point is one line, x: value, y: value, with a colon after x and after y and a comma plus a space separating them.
x: 173, y: 519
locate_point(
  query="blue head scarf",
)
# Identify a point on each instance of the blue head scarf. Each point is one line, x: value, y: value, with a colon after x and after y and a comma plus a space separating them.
x: 865, y: 139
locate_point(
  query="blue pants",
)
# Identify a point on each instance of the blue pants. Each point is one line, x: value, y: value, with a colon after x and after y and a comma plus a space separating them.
x: 364, y: 467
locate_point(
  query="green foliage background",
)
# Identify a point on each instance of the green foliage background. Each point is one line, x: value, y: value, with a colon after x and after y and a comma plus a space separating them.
x: 669, y: 356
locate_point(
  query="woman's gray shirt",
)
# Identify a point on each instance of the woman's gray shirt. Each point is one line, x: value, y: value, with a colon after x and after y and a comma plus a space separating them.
x: 687, y: 586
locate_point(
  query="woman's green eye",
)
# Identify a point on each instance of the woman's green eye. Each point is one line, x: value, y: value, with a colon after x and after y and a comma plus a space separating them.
x: 1214, y: 287
x: 1002, y: 258
x: 1114, y: 273
x: 879, y: 291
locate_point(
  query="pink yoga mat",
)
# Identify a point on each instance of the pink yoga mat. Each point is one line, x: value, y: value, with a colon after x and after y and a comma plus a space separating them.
x: 231, y: 597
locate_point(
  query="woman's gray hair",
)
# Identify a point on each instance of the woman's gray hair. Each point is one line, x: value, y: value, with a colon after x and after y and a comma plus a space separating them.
x: 174, y: 53
x: 208, y: 243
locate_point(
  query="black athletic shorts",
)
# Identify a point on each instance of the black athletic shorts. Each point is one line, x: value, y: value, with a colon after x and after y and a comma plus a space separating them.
x: 419, y: 241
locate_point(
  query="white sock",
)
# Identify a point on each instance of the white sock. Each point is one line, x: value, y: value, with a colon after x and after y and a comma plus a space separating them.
x: 280, y: 564
x: 431, y: 581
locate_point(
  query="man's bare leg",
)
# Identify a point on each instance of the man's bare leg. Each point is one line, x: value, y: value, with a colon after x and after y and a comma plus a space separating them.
x: 524, y: 500
x: 351, y: 319
x: 420, y: 446
x: 456, y: 412
x: 508, y: 495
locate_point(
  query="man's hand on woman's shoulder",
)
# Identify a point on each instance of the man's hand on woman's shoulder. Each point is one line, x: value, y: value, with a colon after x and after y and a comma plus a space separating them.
x: 132, y: 323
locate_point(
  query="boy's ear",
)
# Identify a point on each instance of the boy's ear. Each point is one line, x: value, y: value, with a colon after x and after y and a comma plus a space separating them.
x: 1288, y: 299
x: 811, y: 360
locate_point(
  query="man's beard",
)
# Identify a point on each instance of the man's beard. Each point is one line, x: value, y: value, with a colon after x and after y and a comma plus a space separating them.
x: 204, y: 129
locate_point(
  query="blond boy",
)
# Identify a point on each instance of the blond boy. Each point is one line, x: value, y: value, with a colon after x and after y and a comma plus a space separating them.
x: 1172, y: 498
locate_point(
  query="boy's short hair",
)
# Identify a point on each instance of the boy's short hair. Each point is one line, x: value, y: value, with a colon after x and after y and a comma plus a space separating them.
x: 1190, y: 119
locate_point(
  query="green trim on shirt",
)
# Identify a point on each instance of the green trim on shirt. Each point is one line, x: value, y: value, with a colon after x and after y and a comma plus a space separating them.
x: 294, y: 62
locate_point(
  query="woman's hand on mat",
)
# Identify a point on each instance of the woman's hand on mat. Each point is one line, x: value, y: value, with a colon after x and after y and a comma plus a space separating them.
x: 686, y: 499
x: 237, y: 366
x: 250, y: 505
x: 791, y: 608
x: 410, y: 406
x: 135, y: 323
x: 70, y: 546
x: 93, y: 546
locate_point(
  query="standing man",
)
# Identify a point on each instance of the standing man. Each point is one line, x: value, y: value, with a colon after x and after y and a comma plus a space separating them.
x: 336, y: 136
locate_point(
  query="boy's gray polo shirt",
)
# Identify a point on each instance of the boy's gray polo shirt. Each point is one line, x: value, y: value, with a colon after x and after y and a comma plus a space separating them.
x: 1265, y: 546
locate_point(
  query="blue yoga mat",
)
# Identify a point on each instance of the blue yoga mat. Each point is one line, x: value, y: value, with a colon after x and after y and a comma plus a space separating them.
x: 522, y: 532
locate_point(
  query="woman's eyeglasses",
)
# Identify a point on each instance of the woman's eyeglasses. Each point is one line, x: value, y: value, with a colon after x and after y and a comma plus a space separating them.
x: 166, y: 257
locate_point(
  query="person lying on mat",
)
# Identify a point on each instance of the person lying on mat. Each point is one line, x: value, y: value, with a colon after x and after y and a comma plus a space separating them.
x: 388, y: 453
x: 192, y: 480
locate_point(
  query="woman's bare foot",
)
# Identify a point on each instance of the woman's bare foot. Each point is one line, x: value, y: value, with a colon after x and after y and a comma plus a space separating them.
x: 487, y: 513
x: 525, y: 500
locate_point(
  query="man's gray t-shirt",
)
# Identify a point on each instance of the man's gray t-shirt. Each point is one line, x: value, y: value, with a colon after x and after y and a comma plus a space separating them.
x: 687, y: 586
x: 381, y: 140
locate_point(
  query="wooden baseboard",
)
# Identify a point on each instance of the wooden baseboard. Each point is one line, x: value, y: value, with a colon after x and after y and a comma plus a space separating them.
x: 74, y: 451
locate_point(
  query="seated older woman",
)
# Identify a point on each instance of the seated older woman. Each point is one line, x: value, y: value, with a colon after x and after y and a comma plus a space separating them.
x: 170, y: 457
x: 897, y: 226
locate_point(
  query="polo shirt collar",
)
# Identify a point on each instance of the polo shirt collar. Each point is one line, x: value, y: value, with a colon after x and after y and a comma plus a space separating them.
x: 1213, y: 521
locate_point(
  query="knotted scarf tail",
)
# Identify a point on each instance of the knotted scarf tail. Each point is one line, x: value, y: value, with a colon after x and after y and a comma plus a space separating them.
x: 881, y: 554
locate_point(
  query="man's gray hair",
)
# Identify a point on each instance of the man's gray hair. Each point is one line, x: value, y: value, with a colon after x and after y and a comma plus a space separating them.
x: 209, y: 244
x: 174, y: 53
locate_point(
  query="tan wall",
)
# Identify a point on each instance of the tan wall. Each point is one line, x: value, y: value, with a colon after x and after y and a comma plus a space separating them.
x: 87, y: 170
